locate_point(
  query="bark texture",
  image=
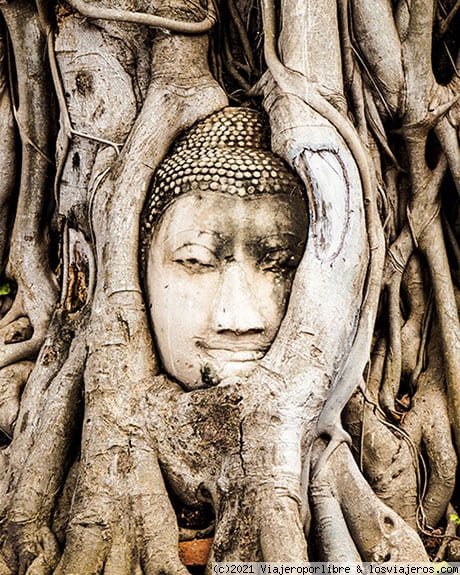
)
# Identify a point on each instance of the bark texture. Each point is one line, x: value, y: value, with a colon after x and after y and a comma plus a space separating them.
x: 341, y: 445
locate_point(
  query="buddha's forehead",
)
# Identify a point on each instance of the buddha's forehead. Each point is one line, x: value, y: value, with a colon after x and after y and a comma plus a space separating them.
x: 221, y: 218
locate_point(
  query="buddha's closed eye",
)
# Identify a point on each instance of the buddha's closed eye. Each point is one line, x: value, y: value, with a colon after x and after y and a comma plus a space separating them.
x: 195, y: 258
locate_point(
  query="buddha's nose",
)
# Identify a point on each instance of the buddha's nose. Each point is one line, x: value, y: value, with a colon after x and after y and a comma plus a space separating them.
x: 236, y: 307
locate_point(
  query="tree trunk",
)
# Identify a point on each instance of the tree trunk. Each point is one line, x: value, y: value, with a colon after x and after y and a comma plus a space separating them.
x: 337, y: 445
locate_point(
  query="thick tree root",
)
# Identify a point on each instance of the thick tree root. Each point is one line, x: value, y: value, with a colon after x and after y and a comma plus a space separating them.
x: 415, y: 328
x: 29, y: 248
x: 388, y: 458
x: 8, y: 167
x: 390, y: 453
x: 378, y: 532
x: 113, y: 445
x: 118, y: 15
x: 33, y: 401
x: 292, y: 82
x: 331, y: 533
x: 12, y: 381
x: 428, y: 424
x: 32, y: 493
x: 393, y: 365
x: 30, y: 425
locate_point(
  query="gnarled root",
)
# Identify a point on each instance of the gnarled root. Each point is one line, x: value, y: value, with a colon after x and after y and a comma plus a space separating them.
x: 388, y: 459
x: 427, y: 423
x: 12, y: 380
x: 101, y: 531
x: 36, y: 459
x: 378, y: 532
x: 390, y: 452
x: 28, y: 263
x: 332, y: 537
x: 33, y: 492
x: 8, y: 167
x: 52, y: 357
x: 412, y: 332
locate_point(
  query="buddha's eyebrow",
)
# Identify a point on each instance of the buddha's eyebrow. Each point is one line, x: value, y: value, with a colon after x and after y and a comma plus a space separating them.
x: 284, y: 240
x: 190, y: 237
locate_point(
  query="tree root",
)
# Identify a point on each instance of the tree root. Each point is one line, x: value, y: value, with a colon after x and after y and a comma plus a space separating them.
x: 393, y: 365
x: 390, y: 454
x: 333, y: 538
x: 378, y: 532
x: 33, y: 404
x: 29, y: 250
x: 12, y: 380
x: 292, y: 82
x: 382, y: 53
x: 413, y: 332
x: 113, y: 445
x: 352, y: 80
x: 447, y: 135
x: 177, y: 26
x: 432, y: 244
x: 8, y: 167
x: 387, y: 457
x: 32, y: 502
x: 428, y: 423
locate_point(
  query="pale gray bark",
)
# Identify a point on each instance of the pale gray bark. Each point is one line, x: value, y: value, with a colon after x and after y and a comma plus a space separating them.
x: 100, y: 441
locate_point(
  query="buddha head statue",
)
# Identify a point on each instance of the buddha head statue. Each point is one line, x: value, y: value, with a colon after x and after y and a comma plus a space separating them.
x: 222, y: 233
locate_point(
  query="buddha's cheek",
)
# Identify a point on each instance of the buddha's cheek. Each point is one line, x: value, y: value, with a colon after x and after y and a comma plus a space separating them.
x: 181, y: 305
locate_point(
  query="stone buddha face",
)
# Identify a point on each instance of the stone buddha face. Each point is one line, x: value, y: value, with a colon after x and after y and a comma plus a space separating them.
x: 218, y: 278
x: 224, y: 229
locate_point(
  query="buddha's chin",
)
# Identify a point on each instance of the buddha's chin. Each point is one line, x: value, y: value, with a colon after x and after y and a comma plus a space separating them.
x: 213, y: 374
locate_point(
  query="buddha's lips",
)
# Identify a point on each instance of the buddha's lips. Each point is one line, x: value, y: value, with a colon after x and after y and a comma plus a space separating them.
x: 233, y: 351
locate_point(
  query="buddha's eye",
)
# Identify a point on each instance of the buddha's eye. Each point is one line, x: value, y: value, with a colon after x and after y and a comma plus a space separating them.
x: 194, y: 265
x: 195, y: 258
x: 279, y: 261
